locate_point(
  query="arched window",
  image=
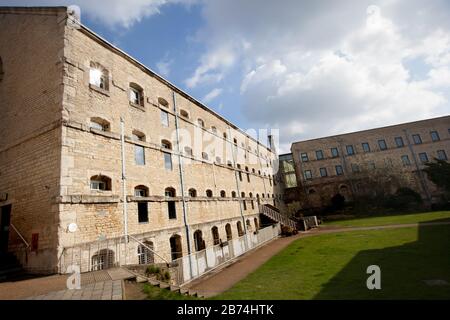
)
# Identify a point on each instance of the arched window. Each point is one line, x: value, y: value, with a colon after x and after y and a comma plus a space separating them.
x: 184, y: 114
x: 192, y: 193
x: 249, y: 225
x: 170, y: 192
x: 141, y: 191
x: 188, y: 151
x: 235, y: 141
x: 200, y: 122
x: 233, y: 194
x: 243, y: 194
x: 100, y: 182
x: 103, y: 259
x: 138, y: 136
x: 229, y: 232
x: 225, y: 135
x: 98, y: 76
x: 163, y: 102
x: 175, y: 247
x: 198, y: 241
x: 253, y: 170
x: 205, y: 156
x: 218, y: 160
x: 223, y: 194
x: 145, y: 253
x: 239, y: 229
x: 99, y: 124
x: 256, y: 224
x: 214, y: 129
x: 215, y: 235
x: 166, y: 144
x: 229, y: 163
x: 209, y: 193
x: 136, y: 94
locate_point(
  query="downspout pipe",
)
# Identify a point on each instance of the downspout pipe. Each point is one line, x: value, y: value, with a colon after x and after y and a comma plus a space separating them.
x: 124, y: 187
x: 180, y: 170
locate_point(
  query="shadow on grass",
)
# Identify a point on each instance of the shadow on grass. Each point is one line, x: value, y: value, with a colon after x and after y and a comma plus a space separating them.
x: 416, y: 270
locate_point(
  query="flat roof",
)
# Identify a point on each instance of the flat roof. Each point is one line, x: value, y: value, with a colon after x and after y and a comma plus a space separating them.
x: 106, y: 43
x: 372, y: 129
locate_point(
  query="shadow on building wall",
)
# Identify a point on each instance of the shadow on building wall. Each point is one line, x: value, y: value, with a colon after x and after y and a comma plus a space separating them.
x: 416, y: 270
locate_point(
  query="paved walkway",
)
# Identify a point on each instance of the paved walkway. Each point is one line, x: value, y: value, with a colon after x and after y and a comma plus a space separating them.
x: 224, y: 278
x: 96, y: 285
x: 105, y: 290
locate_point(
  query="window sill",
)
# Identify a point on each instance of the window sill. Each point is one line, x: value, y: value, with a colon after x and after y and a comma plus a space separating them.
x: 99, y: 90
x: 137, y: 106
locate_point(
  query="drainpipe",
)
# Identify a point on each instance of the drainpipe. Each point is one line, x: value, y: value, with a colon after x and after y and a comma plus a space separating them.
x: 234, y: 155
x: 423, y: 184
x: 180, y: 170
x: 124, y: 187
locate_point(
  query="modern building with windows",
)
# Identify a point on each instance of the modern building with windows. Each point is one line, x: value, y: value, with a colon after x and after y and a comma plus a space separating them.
x: 343, y: 163
x: 96, y: 146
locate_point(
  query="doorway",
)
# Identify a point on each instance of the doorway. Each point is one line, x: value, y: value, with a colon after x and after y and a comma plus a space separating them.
x: 5, y: 220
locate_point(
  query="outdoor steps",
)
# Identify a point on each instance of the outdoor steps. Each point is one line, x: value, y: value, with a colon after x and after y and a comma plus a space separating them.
x: 10, y: 268
x: 164, y: 285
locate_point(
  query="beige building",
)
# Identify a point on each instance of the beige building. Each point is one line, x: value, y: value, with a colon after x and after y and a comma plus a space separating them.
x: 95, y: 145
x: 346, y: 163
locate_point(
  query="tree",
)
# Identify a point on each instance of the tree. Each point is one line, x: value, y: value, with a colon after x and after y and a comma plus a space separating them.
x: 439, y: 173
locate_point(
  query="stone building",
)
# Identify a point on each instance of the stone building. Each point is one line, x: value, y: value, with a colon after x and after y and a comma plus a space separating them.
x: 95, y: 145
x: 346, y: 164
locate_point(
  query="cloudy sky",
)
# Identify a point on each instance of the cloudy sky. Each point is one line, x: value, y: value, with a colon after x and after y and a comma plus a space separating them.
x: 310, y: 68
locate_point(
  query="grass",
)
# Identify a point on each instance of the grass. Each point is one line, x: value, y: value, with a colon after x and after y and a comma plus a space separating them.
x: 155, y: 293
x: 389, y: 220
x: 333, y: 266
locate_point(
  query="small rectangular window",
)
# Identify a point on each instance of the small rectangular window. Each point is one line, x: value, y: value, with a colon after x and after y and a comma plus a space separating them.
x: 371, y: 165
x: 98, y: 185
x: 423, y: 157
x: 319, y: 155
x: 304, y: 157
x: 164, y: 118
x: 434, y: 136
x: 248, y: 179
x: 171, y: 208
x: 334, y: 152
x: 244, y: 204
x: 308, y: 174
x: 441, y: 155
x: 168, y: 161
x: 339, y: 170
x: 405, y: 160
x: 139, y: 155
x: 417, y: 139
x: 382, y: 144
x: 142, y: 212
x: 366, y: 147
x: 350, y: 150
x: 323, y: 172
x: 399, y: 142
x: 355, y: 168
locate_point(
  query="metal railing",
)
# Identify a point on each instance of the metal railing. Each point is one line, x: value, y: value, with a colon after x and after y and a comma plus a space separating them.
x: 199, y: 263
x: 277, y: 216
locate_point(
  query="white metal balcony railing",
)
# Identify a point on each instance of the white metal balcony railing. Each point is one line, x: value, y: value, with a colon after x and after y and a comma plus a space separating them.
x: 277, y: 216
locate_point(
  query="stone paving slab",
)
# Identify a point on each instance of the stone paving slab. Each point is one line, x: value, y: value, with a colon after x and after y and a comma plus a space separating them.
x: 105, y: 290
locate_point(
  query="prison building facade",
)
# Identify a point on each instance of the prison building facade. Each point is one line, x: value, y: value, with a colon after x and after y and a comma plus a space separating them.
x: 95, y: 145
x: 350, y: 164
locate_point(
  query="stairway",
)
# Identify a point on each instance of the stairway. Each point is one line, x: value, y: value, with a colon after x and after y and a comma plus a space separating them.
x: 274, y: 214
x: 10, y: 268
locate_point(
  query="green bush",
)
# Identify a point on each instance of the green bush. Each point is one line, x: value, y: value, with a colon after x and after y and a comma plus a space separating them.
x: 403, y: 198
x: 153, y: 270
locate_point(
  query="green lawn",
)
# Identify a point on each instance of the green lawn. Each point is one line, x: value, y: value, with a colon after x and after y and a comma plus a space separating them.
x: 155, y: 293
x: 333, y: 266
x: 390, y: 219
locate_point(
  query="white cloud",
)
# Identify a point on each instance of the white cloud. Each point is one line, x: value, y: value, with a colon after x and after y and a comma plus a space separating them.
x: 164, y: 67
x: 318, y: 67
x: 111, y: 12
x: 210, y: 96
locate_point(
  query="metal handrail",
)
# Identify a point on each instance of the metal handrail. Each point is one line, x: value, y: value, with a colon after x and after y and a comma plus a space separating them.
x: 143, y: 244
x: 20, y: 235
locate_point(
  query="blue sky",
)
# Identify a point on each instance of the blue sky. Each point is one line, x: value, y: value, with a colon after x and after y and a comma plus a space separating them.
x: 310, y: 68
